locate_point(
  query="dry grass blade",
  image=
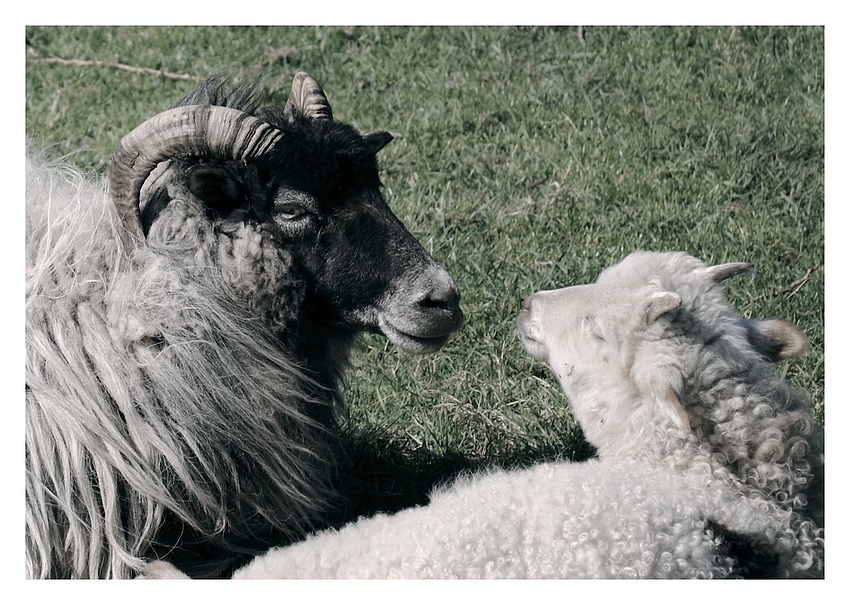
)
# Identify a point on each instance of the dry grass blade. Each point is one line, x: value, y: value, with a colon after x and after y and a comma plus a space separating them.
x: 140, y: 70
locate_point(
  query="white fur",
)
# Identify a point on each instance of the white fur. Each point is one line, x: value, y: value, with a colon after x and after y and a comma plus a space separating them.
x: 708, y: 466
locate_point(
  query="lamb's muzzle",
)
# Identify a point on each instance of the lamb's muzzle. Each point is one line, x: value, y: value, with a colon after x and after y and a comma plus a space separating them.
x: 527, y: 328
x: 535, y: 323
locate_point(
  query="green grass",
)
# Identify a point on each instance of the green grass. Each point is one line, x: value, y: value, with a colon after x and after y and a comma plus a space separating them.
x: 526, y: 158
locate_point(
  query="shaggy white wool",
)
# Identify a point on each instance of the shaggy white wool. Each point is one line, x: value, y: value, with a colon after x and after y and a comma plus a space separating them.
x: 152, y: 392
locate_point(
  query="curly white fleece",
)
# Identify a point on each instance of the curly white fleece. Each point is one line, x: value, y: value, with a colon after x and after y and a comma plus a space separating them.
x: 588, y: 520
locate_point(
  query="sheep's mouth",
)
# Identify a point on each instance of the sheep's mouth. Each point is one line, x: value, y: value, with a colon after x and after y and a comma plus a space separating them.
x: 419, y: 344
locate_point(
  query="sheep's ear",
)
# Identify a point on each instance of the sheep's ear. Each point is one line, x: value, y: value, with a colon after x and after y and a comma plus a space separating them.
x: 219, y: 187
x: 660, y: 302
x: 376, y: 141
x: 775, y: 339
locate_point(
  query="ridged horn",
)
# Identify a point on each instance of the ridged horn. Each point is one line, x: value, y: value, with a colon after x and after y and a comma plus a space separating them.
x: 208, y: 131
x: 720, y: 272
x: 308, y: 99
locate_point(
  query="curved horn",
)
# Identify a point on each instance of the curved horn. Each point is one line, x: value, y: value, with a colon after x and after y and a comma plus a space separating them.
x: 190, y: 131
x: 720, y: 272
x: 308, y: 99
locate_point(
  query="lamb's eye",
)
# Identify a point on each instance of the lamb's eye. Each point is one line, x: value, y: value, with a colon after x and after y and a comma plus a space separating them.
x: 290, y: 212
x: 591, y: 327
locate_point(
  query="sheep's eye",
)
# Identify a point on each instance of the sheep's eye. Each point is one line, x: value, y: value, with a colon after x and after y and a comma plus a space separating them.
x: 293, y: 207
x: 290, y: 212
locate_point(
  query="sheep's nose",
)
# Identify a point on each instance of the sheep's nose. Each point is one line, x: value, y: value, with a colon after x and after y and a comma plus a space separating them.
x: 431, y: 298
x: 442, y: 293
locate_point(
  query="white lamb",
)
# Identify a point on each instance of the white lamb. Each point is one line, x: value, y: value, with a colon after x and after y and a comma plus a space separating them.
x: 707, y: 465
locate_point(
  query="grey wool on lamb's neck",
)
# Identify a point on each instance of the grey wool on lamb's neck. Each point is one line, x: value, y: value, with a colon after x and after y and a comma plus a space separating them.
x: 185, y: 353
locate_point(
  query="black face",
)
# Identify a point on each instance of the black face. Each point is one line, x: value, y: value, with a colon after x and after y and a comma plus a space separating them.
x: 320, y: 195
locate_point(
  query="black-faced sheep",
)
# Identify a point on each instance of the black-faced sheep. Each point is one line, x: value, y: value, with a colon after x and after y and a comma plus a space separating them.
x: 184, y: 354
x: 708, y: 465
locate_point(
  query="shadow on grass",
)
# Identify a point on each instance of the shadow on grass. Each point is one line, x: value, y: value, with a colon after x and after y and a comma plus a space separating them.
x: 381, y: 476
x: 378, y: 475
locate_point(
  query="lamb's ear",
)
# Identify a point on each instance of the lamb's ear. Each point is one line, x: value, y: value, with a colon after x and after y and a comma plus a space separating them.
x: 660, y: 302
x: 720, y: 272
x: 659, y: 379
x: 655, y: 372
x: 670, y: 406
x: 775, y: 339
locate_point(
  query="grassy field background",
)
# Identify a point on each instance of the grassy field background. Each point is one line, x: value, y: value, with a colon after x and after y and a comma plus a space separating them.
x: 525, y: 158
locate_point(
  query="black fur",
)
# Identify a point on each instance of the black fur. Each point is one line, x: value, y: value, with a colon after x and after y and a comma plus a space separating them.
x: 754, y: 556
